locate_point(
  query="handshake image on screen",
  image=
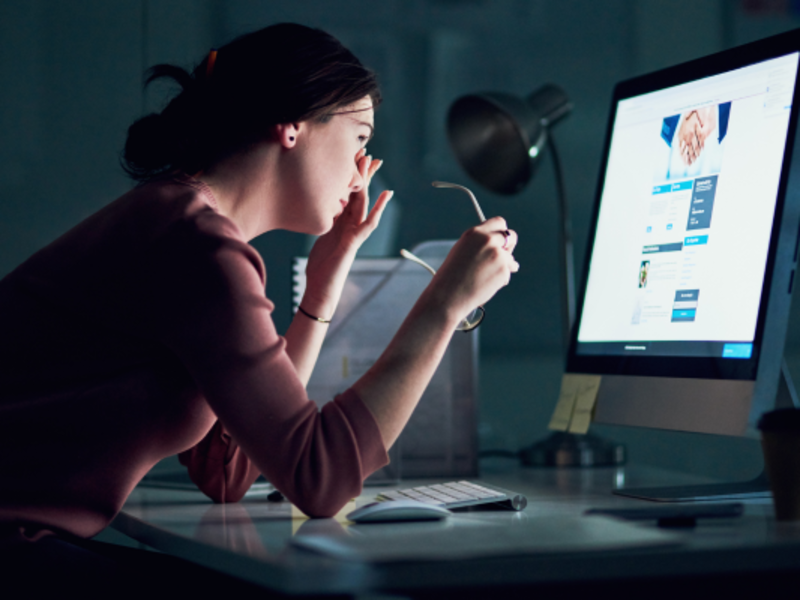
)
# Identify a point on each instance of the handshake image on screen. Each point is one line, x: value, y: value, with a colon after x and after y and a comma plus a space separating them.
x: 697, y: 125
x: 694, y: 139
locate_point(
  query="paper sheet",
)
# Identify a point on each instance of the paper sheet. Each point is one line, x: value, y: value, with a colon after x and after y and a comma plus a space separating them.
x: 575, y: 406
x: 463, y: 537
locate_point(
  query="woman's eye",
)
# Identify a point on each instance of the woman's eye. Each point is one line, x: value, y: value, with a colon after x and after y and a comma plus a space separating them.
x: 363, y: 139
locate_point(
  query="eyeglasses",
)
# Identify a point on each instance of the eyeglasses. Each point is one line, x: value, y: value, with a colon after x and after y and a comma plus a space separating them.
x: 475, y: 318
x: 468, y: 323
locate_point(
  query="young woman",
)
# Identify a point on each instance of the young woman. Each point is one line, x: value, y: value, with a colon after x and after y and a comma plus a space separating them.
x: 145, y: 330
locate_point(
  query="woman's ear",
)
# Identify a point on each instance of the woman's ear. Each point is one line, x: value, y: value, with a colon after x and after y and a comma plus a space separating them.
x: 286, y: 134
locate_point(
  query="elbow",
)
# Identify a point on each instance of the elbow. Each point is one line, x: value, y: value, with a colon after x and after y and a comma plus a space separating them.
x: 217, y: 490
x: 320, y: 495
x: 319, y: 506
x: 219, y: 486
x: 225, y: 496
x: 317, y: 511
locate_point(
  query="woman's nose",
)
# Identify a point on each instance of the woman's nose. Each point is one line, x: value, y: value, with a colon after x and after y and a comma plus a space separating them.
x: 357, y: 183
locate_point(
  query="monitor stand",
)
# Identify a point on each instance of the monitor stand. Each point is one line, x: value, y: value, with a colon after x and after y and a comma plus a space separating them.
x: 740, y: 490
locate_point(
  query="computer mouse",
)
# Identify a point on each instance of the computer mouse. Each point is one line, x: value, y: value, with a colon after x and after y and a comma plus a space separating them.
x: 398, y: 510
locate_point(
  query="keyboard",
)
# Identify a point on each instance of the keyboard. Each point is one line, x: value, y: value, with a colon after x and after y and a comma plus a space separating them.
x: 458, y: 494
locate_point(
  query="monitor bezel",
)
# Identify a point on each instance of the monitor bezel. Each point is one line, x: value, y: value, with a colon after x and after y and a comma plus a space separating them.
x: 682, y: 366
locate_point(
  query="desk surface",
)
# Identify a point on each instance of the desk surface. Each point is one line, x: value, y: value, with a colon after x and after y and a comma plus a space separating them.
x: 251, y: 539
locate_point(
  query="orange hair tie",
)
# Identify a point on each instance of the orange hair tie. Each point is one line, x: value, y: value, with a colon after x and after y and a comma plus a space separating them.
x: 212, y: 58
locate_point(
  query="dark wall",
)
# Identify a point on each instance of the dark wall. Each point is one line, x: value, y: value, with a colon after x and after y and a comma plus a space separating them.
x: 70, y: 84
x: 70, y: 75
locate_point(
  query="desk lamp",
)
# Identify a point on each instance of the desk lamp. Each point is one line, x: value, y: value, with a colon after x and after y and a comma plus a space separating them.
x: 498, y: 139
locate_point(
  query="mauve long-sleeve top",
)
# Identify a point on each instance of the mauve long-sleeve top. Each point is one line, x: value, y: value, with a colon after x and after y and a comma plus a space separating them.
x: 144, y: 332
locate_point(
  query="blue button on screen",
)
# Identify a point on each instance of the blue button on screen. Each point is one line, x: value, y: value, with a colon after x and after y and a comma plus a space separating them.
x: 695, y: 240
x: 737, y: 350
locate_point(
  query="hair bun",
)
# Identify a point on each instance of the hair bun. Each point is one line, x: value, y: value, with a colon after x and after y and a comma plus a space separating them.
x: 150, y: 145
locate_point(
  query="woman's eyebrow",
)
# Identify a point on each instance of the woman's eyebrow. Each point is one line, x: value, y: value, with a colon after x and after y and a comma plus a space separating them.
x: 360, y: 122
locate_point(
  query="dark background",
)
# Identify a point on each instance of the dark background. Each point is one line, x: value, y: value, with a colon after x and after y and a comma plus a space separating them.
x: 71, y: 83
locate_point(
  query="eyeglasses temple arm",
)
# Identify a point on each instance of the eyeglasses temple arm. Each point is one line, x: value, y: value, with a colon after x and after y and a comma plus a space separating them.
x: 413, y: 258
x: 455, y: 186
x: 406, y: 254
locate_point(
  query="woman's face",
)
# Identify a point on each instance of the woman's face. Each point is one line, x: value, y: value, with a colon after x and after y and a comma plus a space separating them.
x: 324, y: 168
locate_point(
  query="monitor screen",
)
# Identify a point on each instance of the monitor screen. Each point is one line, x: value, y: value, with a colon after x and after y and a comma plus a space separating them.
x: 691, y: 259
x: 686, y: 216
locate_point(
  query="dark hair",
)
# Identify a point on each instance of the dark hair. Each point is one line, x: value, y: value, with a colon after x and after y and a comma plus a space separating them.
x: 284, y: 73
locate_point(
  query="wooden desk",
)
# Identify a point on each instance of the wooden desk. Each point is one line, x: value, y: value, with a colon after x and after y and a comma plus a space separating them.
x: 251, y: 540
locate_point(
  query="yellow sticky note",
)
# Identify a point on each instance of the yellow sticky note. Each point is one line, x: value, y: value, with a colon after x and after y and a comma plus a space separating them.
x: 299, y: 518
x: 562, y: 414
x: 585, y: 399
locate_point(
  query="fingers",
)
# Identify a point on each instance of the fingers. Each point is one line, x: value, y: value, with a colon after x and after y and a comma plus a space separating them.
x: 689, y: 154
x: 682, y: 152
x: 690, y: 149
x: 374, y: 217
x: 504, y: 240
x: 363, y: 166
x: 493, y: 224
x: 695, y: 146
x: 498, y: 235
x: 690, y: 138
x: 367, y: 166
x: 509, y: 243
x: 373, y: 167
x: 361, y: 196
x: 509, y: 240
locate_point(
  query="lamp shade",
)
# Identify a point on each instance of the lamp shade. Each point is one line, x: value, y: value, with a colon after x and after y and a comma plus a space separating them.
x: 498, y: 137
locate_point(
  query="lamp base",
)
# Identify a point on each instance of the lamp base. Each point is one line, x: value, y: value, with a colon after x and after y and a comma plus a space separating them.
x: 562, y: 449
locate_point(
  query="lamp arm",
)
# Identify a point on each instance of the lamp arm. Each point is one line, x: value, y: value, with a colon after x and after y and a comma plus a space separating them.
x: 565, y: 246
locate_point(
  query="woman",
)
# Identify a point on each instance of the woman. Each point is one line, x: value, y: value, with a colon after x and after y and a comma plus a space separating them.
x: 145, y: 330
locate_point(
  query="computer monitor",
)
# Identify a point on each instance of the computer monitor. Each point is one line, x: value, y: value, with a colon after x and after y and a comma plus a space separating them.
x: 691, y: 259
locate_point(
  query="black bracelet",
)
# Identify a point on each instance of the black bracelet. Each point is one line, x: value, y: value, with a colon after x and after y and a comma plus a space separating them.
x: 312, y: 317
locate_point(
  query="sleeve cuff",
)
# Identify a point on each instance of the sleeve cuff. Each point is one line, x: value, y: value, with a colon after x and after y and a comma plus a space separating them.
x: 365, y: 429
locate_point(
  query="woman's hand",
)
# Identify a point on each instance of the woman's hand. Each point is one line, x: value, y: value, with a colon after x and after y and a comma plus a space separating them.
x: 357, y: 222
x: 333, y: 253
x: 479, y: 264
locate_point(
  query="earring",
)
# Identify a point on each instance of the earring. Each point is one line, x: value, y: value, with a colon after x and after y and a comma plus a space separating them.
x: 291, y: 138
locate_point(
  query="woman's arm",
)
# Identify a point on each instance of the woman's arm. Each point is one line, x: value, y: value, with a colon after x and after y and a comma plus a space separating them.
x: 304, y: 340
x: 326, y: 272
x: 213, y: 314
x: 476, y: 267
